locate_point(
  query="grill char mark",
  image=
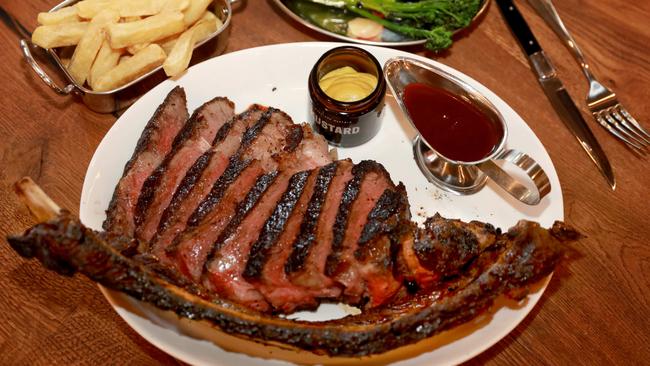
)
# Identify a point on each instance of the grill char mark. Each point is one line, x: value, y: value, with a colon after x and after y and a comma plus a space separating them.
x: 212, y: 199
x: 377, y: 247
x: 152, y: 146
x: 362, y: 194
x: 311, y: 274
x: 243, y: 208
x: 191, y: 248
x: 274, y: 226
x: 201, y: 178
x: 308, y: 227
x: 224, y: 270
x: 188, y: 146
x: 271, y: 280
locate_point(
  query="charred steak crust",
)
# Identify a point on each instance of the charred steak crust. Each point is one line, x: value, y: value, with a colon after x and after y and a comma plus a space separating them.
x: 275, y: 225
x: 196, y: 119
x: 296, y: 135
x: 391, y: 209
x: 184, y: 188
x: 251, y: 134
x: 308, y: 226
x: 243, y: 208
x: 190, y: 130
x: 195, y: 173
x: 116, y: 218
x: 235, y: 167
x: 154, y: 123
x: 526, y: 254
x: 445, y: 246
x: 350, y: 193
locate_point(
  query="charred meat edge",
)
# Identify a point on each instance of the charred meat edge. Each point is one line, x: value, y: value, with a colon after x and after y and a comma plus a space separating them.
x: 525, y: 254
x: 215, y: 195
x: 195, y: 172
x: 307, y: 234
x: 153, y: 127
x: 153, y: 181
x: 274, y: 225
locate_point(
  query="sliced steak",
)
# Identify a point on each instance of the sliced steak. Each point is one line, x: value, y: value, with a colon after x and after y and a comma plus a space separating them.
x: 374, y: 256
x: 273, y: 122
x: 194, y: 140
x: 359, y: 198
x: 190, y: 248
x: 229, y: 255
x: 306, y: 264
x: 152, y: 147
x: 269, y: 254
x: 200, y: 179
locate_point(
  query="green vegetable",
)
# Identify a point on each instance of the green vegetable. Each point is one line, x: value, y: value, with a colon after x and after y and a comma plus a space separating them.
x: 432, y: 20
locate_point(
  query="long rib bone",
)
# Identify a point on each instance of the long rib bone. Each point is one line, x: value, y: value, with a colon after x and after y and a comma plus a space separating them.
x: 40, y: 205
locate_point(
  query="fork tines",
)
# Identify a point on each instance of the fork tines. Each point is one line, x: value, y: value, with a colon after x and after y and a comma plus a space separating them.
x: 621, y: 124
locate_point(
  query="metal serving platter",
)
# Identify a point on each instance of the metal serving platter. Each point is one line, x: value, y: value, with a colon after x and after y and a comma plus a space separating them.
x: 283, y: 5
x: 117, y: 99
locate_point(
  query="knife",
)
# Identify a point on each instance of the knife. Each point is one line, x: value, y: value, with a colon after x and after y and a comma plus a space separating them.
x: 554, y: 89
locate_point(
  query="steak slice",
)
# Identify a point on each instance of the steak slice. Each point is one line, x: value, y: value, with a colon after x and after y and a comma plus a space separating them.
x: 306, y: 264
x: 269, y: 254
x: 359, y: 198
x: 374, y: 256
x: 200, y: 179
x: 195, y: 139
x: 190, y: 248
x: 229, y: 255
x: 154, y: 143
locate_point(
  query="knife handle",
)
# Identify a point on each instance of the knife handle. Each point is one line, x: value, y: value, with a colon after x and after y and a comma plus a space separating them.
x: 518, y: 26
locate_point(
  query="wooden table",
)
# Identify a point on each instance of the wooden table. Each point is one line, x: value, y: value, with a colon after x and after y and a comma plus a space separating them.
x: 595, y: 310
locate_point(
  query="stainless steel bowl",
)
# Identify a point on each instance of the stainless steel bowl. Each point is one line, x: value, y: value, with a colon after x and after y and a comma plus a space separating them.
x: 117, y: 99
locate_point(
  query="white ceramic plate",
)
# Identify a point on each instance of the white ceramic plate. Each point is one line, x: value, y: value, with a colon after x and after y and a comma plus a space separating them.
x: 277, y: 76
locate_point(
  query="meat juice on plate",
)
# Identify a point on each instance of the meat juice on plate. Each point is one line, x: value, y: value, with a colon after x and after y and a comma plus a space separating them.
x: 449, y: 124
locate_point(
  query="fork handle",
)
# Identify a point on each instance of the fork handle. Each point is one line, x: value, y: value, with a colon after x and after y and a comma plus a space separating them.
x: 547, y: 11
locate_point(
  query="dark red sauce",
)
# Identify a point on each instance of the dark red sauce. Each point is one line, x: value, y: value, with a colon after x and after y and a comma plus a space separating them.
x: 451, y: 125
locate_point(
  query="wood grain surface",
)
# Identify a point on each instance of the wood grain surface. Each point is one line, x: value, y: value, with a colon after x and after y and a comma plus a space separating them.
x: 595, y: 310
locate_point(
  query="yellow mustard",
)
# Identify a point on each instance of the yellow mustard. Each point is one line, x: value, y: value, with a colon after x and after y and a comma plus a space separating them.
x: 346, y: 84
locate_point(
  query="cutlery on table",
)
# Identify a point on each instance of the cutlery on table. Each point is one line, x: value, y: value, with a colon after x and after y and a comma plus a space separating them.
x: 602, y: 102
x: 554, y: 89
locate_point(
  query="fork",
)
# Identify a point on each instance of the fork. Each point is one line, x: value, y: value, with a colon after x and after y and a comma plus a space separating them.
x: 602, y: 102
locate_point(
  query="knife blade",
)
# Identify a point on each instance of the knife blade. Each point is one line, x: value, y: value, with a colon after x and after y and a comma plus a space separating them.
x: 554, y: 89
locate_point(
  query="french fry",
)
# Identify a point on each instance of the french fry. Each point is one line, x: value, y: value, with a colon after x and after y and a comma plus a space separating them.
x: 132, y: 68
x: 200, y: 33
x: 195, y: 11
x: 107, y: 58
x: 130, y: 19
x: 179, y: 57
x: 89, y: 45
x: 168, y: 43
x: 63, y: 15
x: 124, y: 58
x: 59, y: 35
x: 127, y: 8
x: 137, y: 48
x: 146, y: 30
x: 208, y: 24
x: 176, y: 5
